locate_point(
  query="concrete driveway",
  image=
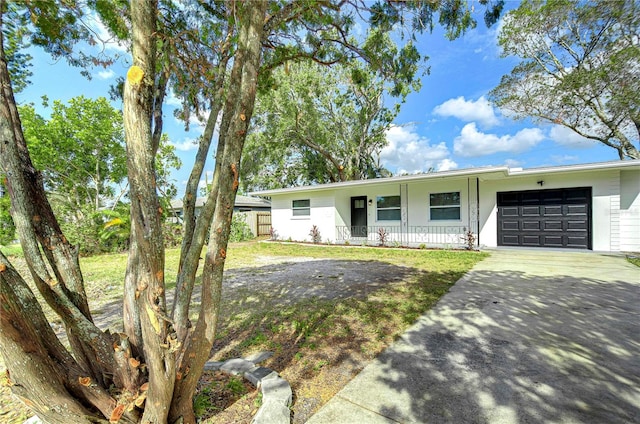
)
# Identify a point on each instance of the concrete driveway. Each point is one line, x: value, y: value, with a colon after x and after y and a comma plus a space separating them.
x: 528, y: 336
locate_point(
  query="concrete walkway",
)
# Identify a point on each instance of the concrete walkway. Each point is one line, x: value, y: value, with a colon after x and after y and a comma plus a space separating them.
x: 528, y: 336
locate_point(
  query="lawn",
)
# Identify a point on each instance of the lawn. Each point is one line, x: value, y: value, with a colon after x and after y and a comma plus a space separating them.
x: 318, y: 344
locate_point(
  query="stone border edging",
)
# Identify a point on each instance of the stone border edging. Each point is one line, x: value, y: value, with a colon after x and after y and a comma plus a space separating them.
x: 276, y: 391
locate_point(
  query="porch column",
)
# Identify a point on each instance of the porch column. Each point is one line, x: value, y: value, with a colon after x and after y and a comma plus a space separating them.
x: 404, y: 214
x: 473, y: 204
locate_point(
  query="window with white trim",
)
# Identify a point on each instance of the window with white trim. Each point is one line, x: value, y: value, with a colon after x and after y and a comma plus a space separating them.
x: 444, y: 206
x: 301, y: 207
x: 388, y: 208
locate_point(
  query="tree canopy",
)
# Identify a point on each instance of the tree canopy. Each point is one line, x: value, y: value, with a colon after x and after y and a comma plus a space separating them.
x: 579, y: 68
x: 317, y: 125
x: 80, y: 149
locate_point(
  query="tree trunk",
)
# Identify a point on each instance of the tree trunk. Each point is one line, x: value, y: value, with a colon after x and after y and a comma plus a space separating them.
x: 251, y: 16
x: 48, y: 380
x: 138, y: 97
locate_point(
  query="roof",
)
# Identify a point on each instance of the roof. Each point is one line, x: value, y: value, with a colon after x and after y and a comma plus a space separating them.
x: 241, y: 201
x: 486, y: 172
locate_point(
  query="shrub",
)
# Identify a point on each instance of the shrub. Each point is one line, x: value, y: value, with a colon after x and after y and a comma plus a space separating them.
x: 240, y: 230
x: 315, y: 235
x: 470, y: 240
x: 172, y: 234
x: 383, y: 236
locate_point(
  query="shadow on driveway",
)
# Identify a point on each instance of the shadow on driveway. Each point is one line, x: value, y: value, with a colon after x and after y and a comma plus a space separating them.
x: 509, y: 346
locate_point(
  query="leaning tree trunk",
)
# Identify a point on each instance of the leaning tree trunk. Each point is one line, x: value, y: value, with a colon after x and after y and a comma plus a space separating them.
x: 238, y: 110
x: 58, y: 386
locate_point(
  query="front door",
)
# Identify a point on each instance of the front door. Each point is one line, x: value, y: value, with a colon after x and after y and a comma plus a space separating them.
x: 359, y: 216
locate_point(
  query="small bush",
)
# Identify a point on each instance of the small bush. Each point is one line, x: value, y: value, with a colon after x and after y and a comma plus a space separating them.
x: 172, y: 234
x: 383, y: 236
x: 470, y: 240
x: 240, y: 230
x: 315, y: 235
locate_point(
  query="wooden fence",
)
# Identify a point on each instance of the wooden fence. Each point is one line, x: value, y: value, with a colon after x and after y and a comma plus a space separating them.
x: 259, y: 222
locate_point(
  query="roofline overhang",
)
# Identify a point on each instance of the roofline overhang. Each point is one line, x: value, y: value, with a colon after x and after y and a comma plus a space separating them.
x: 481, y: 171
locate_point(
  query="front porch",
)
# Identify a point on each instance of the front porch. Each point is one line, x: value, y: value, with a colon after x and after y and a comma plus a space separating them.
x: 446, y: 236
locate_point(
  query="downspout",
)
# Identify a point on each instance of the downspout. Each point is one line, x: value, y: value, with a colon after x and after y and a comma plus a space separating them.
x: 478, y: 211
x: 469, y: 203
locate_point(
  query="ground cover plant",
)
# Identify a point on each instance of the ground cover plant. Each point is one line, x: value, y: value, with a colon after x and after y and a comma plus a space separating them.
x: 319, y: 344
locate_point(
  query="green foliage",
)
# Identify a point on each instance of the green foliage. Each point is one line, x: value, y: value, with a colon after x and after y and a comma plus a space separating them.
x: 166, y: 162
x: 117, y: 228
x: 79, y: 149
x: 236, y: 386
x: 318, y: 124
x: 202, y: 402
x: 7, y: 227
x: 579, y: 68
x: 172, y: 234
x: 240, y: 230
x: 15, y: 32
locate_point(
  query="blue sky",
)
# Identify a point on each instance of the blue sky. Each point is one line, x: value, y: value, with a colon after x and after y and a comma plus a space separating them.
x: 448, y: 124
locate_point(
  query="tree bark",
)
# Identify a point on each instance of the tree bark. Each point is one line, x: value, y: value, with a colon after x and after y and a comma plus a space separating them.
x: 38, y: 231
x: 145, y: 212
x: 47, y: 378
x: 251, y: 16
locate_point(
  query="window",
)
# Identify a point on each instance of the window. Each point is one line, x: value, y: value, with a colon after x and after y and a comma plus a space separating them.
x: 301, y: 207
x: 444, y: 206
x: 388, y: 208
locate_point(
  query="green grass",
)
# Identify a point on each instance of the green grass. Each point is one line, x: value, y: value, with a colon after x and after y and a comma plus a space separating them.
x: 635, y: 259
x: 12, y: 250
x: 305, y: 335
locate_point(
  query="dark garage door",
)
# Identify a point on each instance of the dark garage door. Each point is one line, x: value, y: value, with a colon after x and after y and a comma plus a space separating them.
x: 545, y: 218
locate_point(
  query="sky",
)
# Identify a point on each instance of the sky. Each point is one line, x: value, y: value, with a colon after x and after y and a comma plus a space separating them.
x: 449, y: 124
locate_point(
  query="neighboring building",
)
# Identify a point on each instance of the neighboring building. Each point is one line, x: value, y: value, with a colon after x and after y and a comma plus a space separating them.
x: 242, y: 204
x: 590, y: 206
x: 256, y: 212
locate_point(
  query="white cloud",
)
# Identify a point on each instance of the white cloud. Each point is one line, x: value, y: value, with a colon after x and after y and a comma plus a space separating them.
x: 561, y: 159
x: 569, y: 138
x: 208, y: 179
x: 513, y: 163
x: 472, y: 143
x: 171, y: 99
x: 186, y: 145
x: 469, y: 110
x: 106, y: 74
x: 446, y: 165
x: 410, y: 153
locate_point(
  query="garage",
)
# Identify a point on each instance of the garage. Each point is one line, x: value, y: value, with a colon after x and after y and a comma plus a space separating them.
x: 559, y: 218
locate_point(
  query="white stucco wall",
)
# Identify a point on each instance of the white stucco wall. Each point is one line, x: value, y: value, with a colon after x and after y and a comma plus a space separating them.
x: 605, y: 195
x: 297, y: 228
x: 343, y: 205
x: 615, y: 208
x: 630, y: 211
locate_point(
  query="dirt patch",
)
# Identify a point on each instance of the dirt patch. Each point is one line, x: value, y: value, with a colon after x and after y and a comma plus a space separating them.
x: 283, y: 281
x: 315, y: 371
